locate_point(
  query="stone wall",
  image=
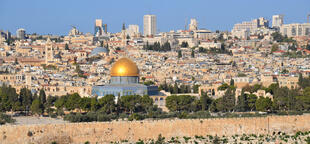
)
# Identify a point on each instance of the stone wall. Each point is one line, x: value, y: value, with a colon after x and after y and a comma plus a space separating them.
x: 104, y: 132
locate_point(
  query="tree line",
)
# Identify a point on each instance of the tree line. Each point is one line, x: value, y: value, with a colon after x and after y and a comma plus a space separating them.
x: 176, y: 89
x: 138, y: 107
x: 157, y: 47
x: 284, y: 99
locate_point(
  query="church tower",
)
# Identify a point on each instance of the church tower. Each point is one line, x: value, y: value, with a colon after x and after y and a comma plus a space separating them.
x: 124, y: 36
x: 49, y: 51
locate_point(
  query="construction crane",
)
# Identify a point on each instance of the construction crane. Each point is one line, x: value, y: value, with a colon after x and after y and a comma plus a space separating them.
x: 73, y: 26
x: 308, y: 18
x: 185, y: 27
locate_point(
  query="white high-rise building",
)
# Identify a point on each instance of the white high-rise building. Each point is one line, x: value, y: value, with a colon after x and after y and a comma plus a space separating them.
x: 21, y: 33
x: 277, y: 21
x: 193, y: 25
x: 246, y: 25
x: 262, y: 22
x: 149, y: 25
x: 295, y: 29
x: 133, y: 30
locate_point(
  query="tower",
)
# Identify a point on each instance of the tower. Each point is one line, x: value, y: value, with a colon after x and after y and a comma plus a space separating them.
x: 193, y: 25
x: 105, y: 27
x: 98, y: 27
x: 277, y: 21
x: 124, y: 36
x: 21, y: 33
x: 28, y: 80
x: 149, y: 25
x: 49, y: 51
x: 133, y: 30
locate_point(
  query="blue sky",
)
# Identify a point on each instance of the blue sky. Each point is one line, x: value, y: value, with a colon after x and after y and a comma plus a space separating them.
x: 56, y: 16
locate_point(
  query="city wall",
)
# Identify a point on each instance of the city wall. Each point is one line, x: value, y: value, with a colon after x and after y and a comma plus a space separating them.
x: 104, y: 132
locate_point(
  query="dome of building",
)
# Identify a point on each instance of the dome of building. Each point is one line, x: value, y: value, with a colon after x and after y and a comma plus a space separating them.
x: 124, y: 67
x: 98, y: 50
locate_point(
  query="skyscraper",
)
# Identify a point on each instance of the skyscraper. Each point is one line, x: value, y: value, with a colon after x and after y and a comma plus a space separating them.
x: 262, y: 22
x: 105, y: 27
x: 133, y: 30
x: 21, y: 33
x: 277, y: 21
x: 149, y: 25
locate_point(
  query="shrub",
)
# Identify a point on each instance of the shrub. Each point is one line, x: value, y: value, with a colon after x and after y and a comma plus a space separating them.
x: 5, y: 119
x: 186, y: 139
x: 29, y: 133
x: 136, y: 116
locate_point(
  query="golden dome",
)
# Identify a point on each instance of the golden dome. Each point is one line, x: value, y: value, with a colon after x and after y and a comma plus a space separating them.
x: 124, y: 67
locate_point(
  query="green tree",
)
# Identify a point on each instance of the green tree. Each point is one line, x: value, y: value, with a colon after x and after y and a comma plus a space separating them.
x: 232, y: 82
x: 25, y: 98
x: 263, y: 104
x: 148, y: 83
x: 275, y: 47
x: 303, y: 101
x: 303, y: 82
x: 85, y: 103
x: 175, y: 88
x: 73, y: 101
x: 272, y: 88
x: 60, y: 102
x: 146, y: 102
x: 217, y: 105
x: 223, y: 47
x: 284, y: 98
x: 66, y: 47
x: 205, y: 102
x: 193, y: 54
x: 251, y: 101
x: 224, y: 86
x: 37, y: 107
x: 229, y: 100
x: 184, y: 44
x: 9, y: 100
x: 42, y: 96
x: 94, y: 105
x: 196, y: 88
x: 50, y: 101
x: 277, y: 36
x: 242, y: 103
x: 180, y: 103
x: 107, y: 103
x: 179, y: 54
x: 160, y: 140
x: 130, y: 103
x: 143, y: 79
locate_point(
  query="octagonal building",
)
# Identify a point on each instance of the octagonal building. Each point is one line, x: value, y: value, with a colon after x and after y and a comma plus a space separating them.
x: 124, y: 81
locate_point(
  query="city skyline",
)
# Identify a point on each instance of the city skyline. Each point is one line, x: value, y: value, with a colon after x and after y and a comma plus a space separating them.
x: 41, y: 17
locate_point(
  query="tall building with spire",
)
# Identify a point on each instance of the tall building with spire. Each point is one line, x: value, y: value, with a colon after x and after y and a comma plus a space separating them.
x: 124, y: 36
x: 149, y: 25
x: 49, y: 51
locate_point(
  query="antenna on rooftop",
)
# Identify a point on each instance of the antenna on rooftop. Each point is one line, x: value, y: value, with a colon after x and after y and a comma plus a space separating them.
x: 185, y: 27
